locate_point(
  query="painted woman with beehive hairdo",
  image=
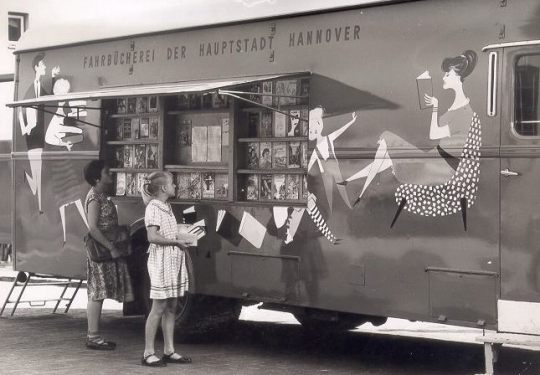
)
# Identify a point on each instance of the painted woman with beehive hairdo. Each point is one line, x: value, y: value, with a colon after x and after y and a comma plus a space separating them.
x: 439, y: 164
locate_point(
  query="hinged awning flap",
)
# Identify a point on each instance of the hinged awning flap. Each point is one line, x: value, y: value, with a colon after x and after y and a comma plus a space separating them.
x: 155, y: 89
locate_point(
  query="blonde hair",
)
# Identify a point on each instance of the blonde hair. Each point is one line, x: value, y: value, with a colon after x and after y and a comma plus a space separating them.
x: 153, y: 183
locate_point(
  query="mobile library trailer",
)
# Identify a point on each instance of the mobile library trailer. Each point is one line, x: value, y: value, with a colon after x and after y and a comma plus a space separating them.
x: 347, y: 165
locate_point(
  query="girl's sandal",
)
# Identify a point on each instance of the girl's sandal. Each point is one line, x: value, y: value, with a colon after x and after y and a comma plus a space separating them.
x: 167, y: 358
x: 158, y: 363
x: 98, y: 343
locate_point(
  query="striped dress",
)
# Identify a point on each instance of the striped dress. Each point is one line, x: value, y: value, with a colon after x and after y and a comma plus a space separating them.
x: 166, y: 264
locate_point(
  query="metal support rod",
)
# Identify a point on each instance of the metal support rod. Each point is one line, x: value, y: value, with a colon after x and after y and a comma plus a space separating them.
x: 68, y: 305
x: 20, y: 294
x: 61, y: 295
x: 9, y: 295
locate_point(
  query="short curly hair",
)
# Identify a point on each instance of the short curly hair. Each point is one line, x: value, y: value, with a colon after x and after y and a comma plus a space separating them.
x: 92, y: 171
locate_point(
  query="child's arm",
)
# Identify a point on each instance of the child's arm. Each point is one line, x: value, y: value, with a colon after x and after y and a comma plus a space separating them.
x: 156, y: 238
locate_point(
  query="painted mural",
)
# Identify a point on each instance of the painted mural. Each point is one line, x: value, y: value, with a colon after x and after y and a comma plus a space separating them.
x: 40, y: 126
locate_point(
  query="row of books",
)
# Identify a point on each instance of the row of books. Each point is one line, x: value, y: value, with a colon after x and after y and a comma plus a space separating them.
x: 129, y: 184
x: 205, y: 185
x: 266, y: 155
x: 142, y: 104
x: 135, y: 128
x: 201, y: 101
x: 195, y: 185
x: 275, y: 187
x: 136, y: 156
x: 277, y: 124
x: 281, y: 92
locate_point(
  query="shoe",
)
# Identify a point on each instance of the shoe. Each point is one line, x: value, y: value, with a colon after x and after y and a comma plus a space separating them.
x: 98, y: 343
x: 181, y: 360
x: 158, y: 363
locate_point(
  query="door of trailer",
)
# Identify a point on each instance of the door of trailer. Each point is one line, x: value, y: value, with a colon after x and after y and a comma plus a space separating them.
x: 519, y: 303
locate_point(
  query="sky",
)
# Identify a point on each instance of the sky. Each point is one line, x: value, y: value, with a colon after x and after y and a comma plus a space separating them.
x: 76, y: 20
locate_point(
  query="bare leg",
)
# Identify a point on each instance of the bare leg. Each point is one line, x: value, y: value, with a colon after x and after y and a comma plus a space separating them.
x: 167, y: 325
x: 93, y: 315
x: 150, y: 329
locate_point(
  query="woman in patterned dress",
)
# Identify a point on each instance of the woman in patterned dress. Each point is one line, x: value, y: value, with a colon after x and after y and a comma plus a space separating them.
x: 109, y: 279
x: 166, y: 267
x: 439, y: 164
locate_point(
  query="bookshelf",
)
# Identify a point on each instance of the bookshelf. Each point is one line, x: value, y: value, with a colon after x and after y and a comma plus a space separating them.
x: 198, y: 141
x: 272, y: 145
x: 132, y: 140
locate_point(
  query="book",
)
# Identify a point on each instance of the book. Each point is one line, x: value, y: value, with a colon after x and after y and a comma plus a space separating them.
x: 135, y: 128
x: 293, y: 123
x: 118, y: 130
x: 252, y: 230
x: 126, y: 131
x: 184, y: 134
x: 254, y: 119
x: 153, y: 127
x: 118, y: 157
x: 265, y: 129
x: 189, y: 215
x: 266, y: 186
x: 254, y: 87
x: 153, y: 103
x: 279, y: 155
x: 305, y: 191
x: 142, y: 104
x: 199, y: 144
x: 121, y: 105
x: 152, y: 156
x: 131, y: 105
x: 194, y: 186
x: 252, y: 156
x: 280, y: 124
x: 294, y: 156
x: 198, y: 229
x: 227, y: 226
x: 144, y: 127
x: 293, y: 186
x: 265, y: 159
x: 221, y: 186
x: 303, y: 152
x: 279, y: 189
x: 183, y: 101
x: 425, y: 87
x: 304, y: 122
x: 185, y: 228
x: 131, y: 184
x: 267, y: 89
x: 140, y: 156
x: 252, y: 187
x: 214, y: 144
x: 141, y: 178
x: 128, y: 156
x: 225, y: 132
x: 286, y: 91
x: 120, y: 184
x: 183, y: 181
x: 208, y: 185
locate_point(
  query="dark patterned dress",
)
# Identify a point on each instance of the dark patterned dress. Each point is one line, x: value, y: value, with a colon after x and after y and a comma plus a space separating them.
x: 108, y: 279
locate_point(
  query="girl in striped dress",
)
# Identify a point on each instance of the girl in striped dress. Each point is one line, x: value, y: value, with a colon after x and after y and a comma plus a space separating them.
x: 166, y: 267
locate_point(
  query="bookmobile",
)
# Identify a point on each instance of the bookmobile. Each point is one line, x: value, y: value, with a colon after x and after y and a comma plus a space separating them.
x: 346, y: 165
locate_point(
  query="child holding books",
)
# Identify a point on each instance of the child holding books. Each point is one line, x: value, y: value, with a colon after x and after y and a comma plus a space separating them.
x: 166, y: 267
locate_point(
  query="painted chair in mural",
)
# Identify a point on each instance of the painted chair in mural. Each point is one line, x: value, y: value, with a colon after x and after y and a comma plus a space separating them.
x: 457, y: 194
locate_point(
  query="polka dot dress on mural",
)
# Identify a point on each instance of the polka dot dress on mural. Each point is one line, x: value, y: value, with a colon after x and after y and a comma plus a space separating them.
x: 446, y: 199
